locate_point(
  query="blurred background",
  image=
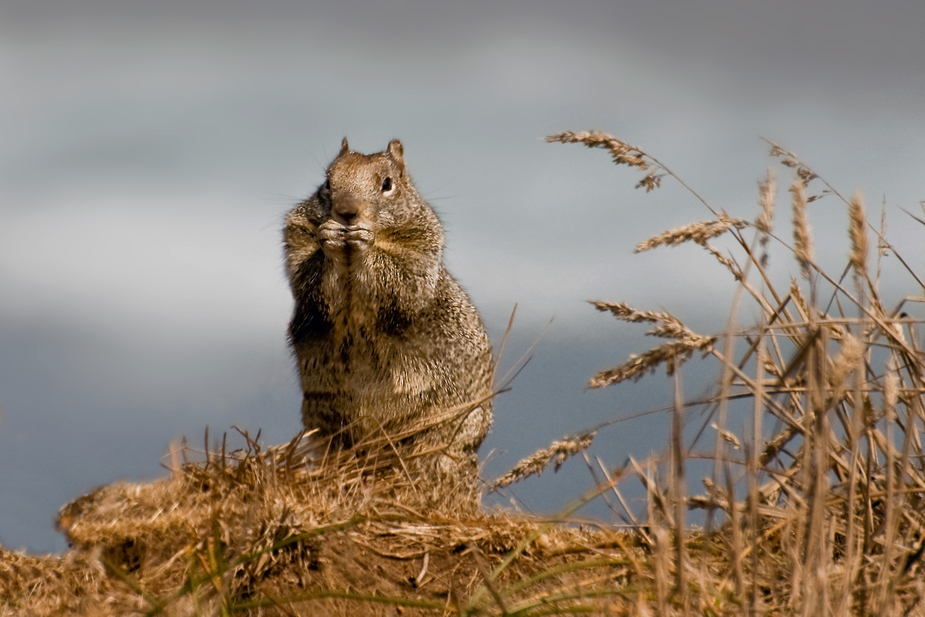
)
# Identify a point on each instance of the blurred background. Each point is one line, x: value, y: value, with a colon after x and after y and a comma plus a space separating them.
x: 149, y: 153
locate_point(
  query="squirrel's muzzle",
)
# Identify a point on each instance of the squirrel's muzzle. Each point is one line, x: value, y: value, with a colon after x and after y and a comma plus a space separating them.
x: 346, y: 208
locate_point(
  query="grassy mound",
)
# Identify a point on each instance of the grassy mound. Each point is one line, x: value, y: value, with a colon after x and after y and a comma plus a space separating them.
x: 276, y: 532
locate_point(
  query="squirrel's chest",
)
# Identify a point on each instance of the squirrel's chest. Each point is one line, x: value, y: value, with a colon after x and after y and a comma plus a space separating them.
x: 372, y: 354
x: 373, y: 365
x: 348, y: 295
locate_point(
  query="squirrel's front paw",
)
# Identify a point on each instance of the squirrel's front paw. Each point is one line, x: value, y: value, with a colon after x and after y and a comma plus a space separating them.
x: 358, y: 238
x: 333, y: 237
x: 338, y: 240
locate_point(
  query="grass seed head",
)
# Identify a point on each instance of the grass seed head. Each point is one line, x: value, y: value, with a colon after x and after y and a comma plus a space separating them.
x: 858, y: 233
x: 766, y: 194
x: 730, y: 265
x: 847, y: 360
x: 696, y: 232
x: 621, y: 152
x: 802, y: 234
x: 535, y: 464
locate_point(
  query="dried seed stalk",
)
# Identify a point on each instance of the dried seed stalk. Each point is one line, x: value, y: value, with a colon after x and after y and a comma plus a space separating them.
x: 695, y: 232
x: 621, y: 152
x: 672, y: 354
x: 858, y: 234
x: 671, y: 326
x: 766, y: 190
x: 536, y: 463
x: 802, y: 235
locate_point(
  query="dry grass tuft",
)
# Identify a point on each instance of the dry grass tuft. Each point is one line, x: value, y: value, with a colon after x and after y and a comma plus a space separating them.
x: 818, y: 507
x: 286, y: 531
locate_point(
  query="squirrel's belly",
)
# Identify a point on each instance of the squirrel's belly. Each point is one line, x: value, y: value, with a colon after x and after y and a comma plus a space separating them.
x: 386, y: 374
x: 387, y: 385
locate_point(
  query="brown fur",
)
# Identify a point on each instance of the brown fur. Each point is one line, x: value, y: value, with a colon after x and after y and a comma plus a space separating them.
x: 383, y: 336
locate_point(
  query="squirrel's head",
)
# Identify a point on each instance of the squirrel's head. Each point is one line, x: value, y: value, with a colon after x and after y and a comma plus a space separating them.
x: 366, y: 186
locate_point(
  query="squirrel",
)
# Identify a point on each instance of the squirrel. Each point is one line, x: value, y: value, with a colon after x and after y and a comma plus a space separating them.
x: 384, y: 337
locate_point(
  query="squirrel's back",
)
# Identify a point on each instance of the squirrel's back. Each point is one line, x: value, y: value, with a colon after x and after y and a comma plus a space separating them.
x: 384, y: 337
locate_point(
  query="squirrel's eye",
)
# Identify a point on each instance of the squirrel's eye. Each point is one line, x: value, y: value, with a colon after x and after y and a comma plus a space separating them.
x: 386, y: 185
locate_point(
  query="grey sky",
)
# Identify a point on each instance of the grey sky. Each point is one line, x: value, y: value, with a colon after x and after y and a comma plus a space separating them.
x: 151, y: 149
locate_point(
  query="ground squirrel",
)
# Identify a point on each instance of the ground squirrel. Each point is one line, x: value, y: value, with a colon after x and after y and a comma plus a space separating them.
x: 383, y: 336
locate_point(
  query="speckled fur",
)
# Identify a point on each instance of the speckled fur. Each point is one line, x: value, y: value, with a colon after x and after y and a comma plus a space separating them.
x: 382, y: 334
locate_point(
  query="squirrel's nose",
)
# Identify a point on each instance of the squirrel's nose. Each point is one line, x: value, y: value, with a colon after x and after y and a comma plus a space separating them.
x: 346, y: 208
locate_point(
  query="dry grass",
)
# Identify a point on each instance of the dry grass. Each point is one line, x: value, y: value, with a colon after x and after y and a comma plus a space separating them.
x: 299, y: 529
x: 816, y: 506
x: 817, y: 509
x: 535, y: 464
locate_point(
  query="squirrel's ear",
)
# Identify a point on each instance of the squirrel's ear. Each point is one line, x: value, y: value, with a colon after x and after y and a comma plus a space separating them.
x: 344, y: 146
x: 397, y: 152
